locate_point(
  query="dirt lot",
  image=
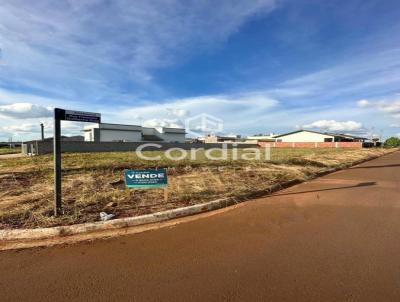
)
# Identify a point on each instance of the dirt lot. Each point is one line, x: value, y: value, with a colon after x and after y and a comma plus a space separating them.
x: 93, y: 182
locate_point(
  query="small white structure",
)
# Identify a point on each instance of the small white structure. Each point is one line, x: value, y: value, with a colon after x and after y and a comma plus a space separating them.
x: 173, y: 134
x: 132, y: 133
x: 213, y: 139
x: 262, y: 138
x: 301, y: 136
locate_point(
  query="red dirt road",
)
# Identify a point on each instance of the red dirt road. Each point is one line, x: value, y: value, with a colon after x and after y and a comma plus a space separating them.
x: 336, y: 238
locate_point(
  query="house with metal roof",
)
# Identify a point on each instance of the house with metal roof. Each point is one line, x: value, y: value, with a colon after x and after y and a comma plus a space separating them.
x: 303, y: 135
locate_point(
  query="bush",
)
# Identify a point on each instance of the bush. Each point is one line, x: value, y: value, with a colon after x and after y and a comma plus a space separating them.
x: 392, y: 142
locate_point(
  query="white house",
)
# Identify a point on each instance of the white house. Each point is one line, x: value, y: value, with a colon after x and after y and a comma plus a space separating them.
x: 132, y: 133
x: 301, y: 136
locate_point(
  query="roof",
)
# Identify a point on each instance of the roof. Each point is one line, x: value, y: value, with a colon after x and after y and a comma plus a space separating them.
x: 260, y: 137
x: 109, y: 126
x: 348, y: 136
x: 302, y: 130
x: 322, y: 133
x: 173, y: 130
x: 122, y: 127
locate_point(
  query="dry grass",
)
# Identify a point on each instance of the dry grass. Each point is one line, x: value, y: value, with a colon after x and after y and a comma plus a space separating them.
x: 93, y: 182
x: 8, y: 150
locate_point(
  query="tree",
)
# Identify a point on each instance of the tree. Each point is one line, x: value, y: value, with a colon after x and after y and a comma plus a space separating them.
x: 392, y: 142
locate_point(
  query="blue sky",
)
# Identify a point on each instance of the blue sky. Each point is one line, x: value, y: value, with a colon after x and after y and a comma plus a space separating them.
x: 261, y: 66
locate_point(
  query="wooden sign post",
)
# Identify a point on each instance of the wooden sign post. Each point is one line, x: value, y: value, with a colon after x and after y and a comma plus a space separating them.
x: 166, y: 194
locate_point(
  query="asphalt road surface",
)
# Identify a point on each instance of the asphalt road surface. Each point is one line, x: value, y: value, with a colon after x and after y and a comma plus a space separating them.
x: 336, y: 238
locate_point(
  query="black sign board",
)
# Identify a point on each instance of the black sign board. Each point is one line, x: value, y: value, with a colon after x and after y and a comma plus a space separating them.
x: 78, y: 116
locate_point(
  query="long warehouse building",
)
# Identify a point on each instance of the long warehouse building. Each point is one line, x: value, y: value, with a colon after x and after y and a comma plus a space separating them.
x: 133, y: 133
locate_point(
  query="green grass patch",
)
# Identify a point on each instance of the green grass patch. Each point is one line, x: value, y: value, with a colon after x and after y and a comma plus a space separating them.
x: 8, y: 150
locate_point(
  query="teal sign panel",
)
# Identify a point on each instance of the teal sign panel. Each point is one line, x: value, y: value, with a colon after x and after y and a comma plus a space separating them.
x: 146, y: 179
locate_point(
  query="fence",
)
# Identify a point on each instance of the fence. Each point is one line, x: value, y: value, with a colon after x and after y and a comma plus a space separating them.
x: 311, y: 145
x: 39, y: 147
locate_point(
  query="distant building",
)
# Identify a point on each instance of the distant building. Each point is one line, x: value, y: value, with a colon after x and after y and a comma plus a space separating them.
x: 316, y: 137
x: 210, y: 139
x: 262, y: 138
x: 75, y: 138
x: 10, y: 144
x: 132, y: 133
x: 224, y: 139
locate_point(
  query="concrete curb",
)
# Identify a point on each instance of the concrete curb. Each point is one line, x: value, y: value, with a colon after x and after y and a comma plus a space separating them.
x: 62, y: 231
x: 10, y: 239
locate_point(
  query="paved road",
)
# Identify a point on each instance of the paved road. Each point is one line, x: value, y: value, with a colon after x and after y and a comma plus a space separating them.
x: 333, y: 239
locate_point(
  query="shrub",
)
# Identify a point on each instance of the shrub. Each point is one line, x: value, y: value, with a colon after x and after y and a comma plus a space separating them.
x: 392, y: 142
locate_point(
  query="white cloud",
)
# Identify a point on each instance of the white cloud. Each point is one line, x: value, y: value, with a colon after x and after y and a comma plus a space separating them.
x: 369, y: 72
x: 363, y: 103
x: 163, y: 123
x: 24, y: 110
x: 32, y: 129
x: 391, y: 107
x: 332, y: 125
x: 179, y: 112
x: 124, y: 38
x: 236, y: 110
x: 22, y: 113
x: 21, y: 128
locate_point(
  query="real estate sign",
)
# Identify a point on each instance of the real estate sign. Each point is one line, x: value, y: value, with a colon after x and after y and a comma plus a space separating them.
x: 145, y: 179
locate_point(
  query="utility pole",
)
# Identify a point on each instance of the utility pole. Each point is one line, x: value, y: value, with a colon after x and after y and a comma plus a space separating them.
x: 42, y: 131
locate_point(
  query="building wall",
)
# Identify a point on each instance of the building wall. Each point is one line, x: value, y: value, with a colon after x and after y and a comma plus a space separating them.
x: 311, y: 145
x: 150, y: 131
x: 118, y: 135
x: 38, y: 147
x: 211, y: 139
x: 128, y: 133
x: 261, y: 137
x: 106, y: 126
x: 89, y: 135
x: 304, y: 136
x: 173, y: 137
